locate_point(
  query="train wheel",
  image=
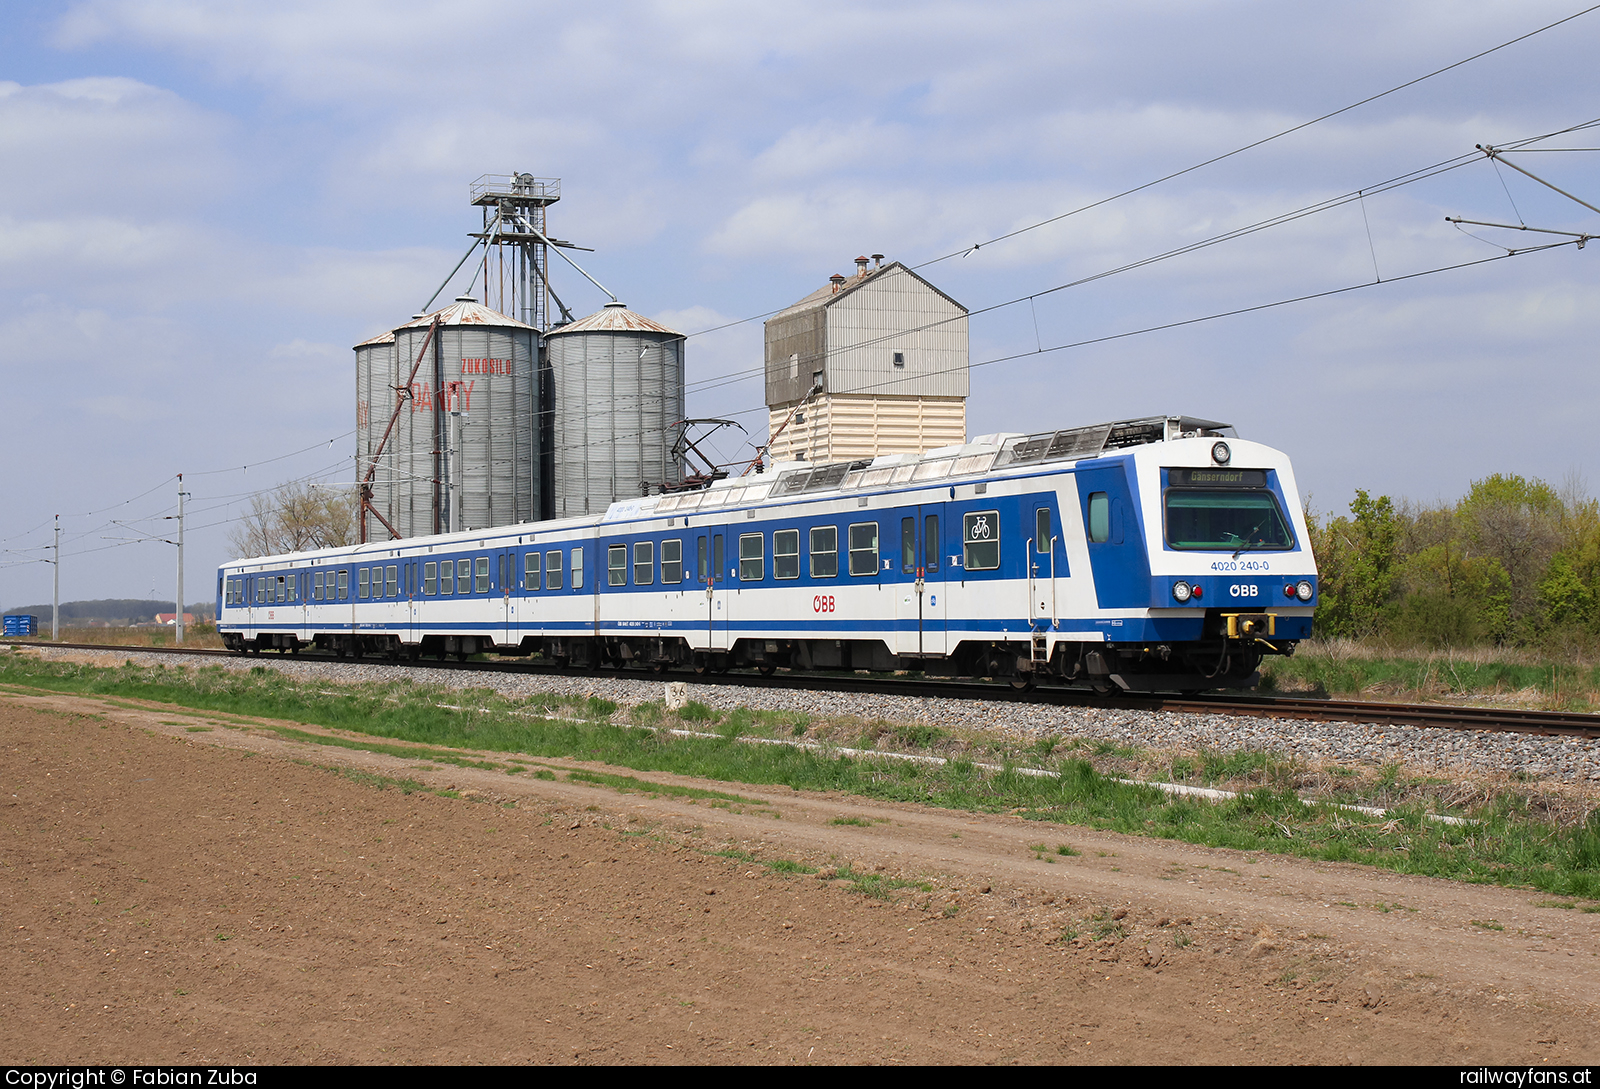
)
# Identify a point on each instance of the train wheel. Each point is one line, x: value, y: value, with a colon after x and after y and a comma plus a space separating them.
x: 767, y: 669
x: 1023, y: 682
x: 702, y: 665
x: 660, y: 667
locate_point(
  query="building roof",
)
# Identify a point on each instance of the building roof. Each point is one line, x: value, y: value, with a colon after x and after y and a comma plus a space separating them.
x: 614, y: 318
x: 381, y: 338
x: 826, y: 296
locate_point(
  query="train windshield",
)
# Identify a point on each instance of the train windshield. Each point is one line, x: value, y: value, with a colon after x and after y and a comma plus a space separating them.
x: 1226, y: 519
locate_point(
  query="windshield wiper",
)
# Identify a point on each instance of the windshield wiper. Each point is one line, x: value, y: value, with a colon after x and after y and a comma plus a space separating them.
x: 1245, y: 544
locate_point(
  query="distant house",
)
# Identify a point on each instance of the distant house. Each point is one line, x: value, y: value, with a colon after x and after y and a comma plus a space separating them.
x: 171, y: 619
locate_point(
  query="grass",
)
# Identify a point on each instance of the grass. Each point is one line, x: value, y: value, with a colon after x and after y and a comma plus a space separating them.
x: 1489, y: 675
x: 202, y: 636
x: 1512, y: 844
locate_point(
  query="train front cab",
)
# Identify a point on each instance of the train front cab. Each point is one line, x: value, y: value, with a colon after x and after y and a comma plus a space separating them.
x: 1200, y: 568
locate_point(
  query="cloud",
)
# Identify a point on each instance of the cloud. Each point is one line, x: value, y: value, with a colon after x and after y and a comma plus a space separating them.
x: 103, y: 144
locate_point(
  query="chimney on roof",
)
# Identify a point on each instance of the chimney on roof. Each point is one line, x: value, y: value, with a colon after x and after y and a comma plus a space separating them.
x: 861, y: 268
x: 877, y: 259
x: 837, y: 281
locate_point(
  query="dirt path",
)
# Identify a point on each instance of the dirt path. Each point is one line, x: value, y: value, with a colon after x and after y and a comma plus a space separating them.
x: 183, y: 888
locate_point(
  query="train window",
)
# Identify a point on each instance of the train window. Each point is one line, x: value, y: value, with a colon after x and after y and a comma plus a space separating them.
x: 316, y: 586
x: 482, y: 584
x: 552, y: 570
x: 864, y: 548
x: 344, y: 585
x: 786, y: 554
x: 393, y: 581
x: 362, y: 583
x: 1233, y: 520
x: 930, y: 542
x: 261, y: 589
x: 908, y: 546
x: 464, y: 576
x: 530, y: 571
x: 1041, y: 531
x: 671, y: 562
x: 617, y: 565
x: 447, y: 577
x: 752, y: 548
x: 644, y: 563
x: 505, y: 571
x: 283, y: 588
x: 824, y: 552
x: 980, y: 540
x: 294, y: 587
x: 1099, y: 517
x: 577, y: 568
x: 705, y: 575
x: 718, y: 556
x: 430, y: 579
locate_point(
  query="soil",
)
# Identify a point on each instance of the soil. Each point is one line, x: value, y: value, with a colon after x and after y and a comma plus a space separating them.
x: 191, y: 888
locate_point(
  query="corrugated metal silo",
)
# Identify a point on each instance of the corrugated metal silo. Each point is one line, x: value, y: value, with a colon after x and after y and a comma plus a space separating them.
x: 485, y: 461
x: 617, y: 391
x: 375, y: 384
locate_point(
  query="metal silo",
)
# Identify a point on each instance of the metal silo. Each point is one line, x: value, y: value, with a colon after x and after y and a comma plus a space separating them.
x: 617, y: 391
x: 464, y: 451
x: 375, y: 396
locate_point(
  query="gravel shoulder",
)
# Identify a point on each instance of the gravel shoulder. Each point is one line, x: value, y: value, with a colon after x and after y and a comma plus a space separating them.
x: 184, y: 888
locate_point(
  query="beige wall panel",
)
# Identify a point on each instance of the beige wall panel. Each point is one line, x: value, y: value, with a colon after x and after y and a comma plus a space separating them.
x: 844, y: 427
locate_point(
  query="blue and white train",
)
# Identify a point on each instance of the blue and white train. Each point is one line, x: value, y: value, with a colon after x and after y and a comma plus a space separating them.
x: 1159, y: 554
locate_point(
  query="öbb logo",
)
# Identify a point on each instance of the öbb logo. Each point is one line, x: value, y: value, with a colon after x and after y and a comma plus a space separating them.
x: 1242, y: 589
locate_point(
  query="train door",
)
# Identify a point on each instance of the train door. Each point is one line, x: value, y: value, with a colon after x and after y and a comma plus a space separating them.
x: 920, y: 601
x: 1047, y: 565
x: 413, y: 586
x: 507, y: 612
x: 711, y: 554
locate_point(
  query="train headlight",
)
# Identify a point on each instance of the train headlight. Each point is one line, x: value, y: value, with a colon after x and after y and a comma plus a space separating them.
x: 1181, y: 591
x: 1303, y: 590
x: 1220, y: 453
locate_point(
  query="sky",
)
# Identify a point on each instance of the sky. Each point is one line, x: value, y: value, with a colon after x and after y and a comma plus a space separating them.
x: 204, y: 204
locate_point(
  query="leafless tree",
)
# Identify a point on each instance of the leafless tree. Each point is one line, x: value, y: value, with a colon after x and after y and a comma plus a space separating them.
x: 295, y: 518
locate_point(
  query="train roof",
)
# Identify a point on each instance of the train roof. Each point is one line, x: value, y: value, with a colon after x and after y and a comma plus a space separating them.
x: 986, y: 454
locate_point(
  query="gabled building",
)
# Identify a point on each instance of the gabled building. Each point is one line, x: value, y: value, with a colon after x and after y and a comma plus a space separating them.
x: 871, y: 364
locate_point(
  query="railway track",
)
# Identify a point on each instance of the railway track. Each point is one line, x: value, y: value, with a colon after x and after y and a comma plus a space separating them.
x: 1434, y: 716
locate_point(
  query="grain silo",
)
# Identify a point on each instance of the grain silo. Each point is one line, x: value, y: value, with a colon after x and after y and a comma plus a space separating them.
x: 463, y: 451
x: 616, y: 397
x: 375, y: 398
